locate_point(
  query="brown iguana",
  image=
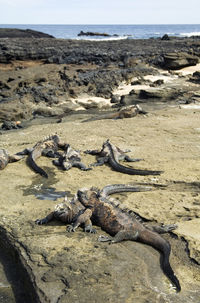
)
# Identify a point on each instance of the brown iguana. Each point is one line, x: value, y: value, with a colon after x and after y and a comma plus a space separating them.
x: 112, y: 154
x: 124, y: 112
x: 67, y: 211
x: 70, y: 158
x: 121, y: 226
x: 91, y: 206
x: 5, y: 158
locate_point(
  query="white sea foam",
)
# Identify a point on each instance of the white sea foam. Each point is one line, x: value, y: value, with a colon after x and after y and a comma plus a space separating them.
x: 105, y: 39
x: 190, y: 34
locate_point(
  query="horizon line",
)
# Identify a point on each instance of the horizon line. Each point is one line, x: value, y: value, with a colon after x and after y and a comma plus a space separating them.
x: 99, y: 23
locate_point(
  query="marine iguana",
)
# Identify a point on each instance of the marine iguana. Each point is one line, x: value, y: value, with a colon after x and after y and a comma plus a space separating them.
x: 124, y: 112
x: 121, y: 226
x: 48, y: 147
x: 5, y: 158
x: 112, y: 154
x: 91, y: 206
x: 68, y: 211
x: 70, y: 158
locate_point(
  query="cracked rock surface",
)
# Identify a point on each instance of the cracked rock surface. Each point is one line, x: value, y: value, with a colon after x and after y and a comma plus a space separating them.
x: 64, y: 267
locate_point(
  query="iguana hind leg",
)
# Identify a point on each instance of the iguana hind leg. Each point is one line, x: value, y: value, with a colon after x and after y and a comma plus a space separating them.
x: 128, y: 159
x: 100, y: 161
x: 92, y: 151
x: 161, y: 229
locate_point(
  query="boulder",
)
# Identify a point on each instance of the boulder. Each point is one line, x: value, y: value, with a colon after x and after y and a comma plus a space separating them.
x: 157, y: 83
x: 115, y: 99
x: 195, y: 77
x: 8, y: 125
x: 165, y: 37
x: 161, y: 93
x: 130, y: 99
x: 179, y: 60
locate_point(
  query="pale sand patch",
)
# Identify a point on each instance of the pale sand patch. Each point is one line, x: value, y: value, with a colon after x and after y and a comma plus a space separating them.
x: 190, y: 106
x: 188, y: 229
x: 124, y: 88
x: 85, y: 100
x: 188, y: 70
x: 166, y: 78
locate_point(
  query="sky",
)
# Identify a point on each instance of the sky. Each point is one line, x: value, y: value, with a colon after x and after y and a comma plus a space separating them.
x: 100, y: 11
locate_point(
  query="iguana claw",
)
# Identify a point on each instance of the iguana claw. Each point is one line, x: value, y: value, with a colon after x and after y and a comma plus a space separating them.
x: 90, y: 229
x: 71, y: 228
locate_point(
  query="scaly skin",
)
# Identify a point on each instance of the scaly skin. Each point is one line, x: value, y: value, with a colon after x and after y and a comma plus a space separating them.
x: 112, y: 155
x: 92, y: 206
x: 124, y: 227
x: 118, y: 188
x: 70, y: 158
x: 49, y: 147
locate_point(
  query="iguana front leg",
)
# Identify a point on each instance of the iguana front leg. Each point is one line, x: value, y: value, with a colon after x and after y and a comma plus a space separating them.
x: 122, y: 235
x: 45, y: 220
x: 92, y: 151
x: 81, y: 166
x: 84, y: 218
x: 100, y: 161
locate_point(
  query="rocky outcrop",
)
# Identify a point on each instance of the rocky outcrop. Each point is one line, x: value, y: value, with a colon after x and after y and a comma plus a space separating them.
x: 82, y: 33
x: 30, y: 87
x: 143, y: 95
x: 179, y: 60
x: 166, y: 94
x: 21, y: 33
x: 117, y: 52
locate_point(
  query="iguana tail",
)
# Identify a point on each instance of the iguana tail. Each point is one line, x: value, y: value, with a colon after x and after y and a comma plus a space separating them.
x: 118, y: 188
x: 131, y: 171
x: 155, y: 240
x: 31, y: 162
x: 127, y: 170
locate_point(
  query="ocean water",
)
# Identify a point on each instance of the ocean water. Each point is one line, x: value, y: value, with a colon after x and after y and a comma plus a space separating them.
x: 123, y: 31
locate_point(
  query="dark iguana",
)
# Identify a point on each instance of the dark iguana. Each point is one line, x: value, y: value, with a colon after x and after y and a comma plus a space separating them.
x: 70, y: 158
x: 48, y: 147
x: 89, y: 206
x: 112, y: 154
x: 124, y: 112
x: 5, y: 158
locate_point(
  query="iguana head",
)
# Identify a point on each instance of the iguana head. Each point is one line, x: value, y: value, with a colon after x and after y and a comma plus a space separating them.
x: 86, y: 195
x: 62, y: 208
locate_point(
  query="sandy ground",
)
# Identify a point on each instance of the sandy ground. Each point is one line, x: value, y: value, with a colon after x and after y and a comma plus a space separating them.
x: 168, y: 140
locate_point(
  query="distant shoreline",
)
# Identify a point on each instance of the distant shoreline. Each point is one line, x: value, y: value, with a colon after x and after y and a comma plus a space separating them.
x: 137, y: 31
